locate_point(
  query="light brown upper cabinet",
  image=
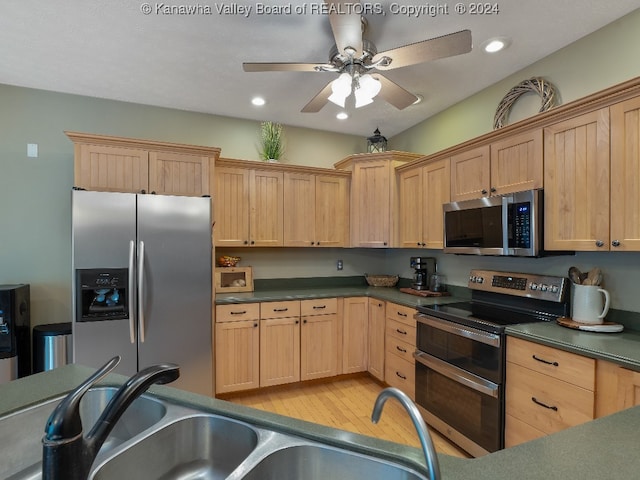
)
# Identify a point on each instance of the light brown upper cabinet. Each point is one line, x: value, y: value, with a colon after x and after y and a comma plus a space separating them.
x: 316, y: 212
x: 374, y: 223
x: 118, y: 164
x: 625, y: 175
x: 512, y: 164
x: 422, y: 190
x: 248, y: 207
x: 577, y: 174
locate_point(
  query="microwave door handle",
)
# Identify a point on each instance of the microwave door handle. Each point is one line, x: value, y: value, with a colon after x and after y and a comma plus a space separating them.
x: 131, y: 290
x: 457, y: 375
x: 506, y: 201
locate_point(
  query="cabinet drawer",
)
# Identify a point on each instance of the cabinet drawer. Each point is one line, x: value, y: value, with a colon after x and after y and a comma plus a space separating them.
x: 401, y: 314
x: 237, y: 312
x: 546, y: 403
x: 516, y: 431
x: 401, y: 331
x: 400, y: 348
x: 565, y: 366
x: 280, y: 309
x: 400, y: 374
x: 320, y: 306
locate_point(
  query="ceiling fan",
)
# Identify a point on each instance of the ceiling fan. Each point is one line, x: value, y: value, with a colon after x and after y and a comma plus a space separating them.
x: 356, y: 58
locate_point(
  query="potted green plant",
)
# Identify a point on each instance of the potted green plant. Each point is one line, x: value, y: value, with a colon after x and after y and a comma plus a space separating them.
x: 271, y: 144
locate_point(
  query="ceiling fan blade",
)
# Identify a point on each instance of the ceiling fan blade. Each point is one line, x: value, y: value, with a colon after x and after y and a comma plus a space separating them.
x: 319, y: 101
x: 394, y: 94
x: 427, y: 50
x: 283, y: 67
x: 346, y: 25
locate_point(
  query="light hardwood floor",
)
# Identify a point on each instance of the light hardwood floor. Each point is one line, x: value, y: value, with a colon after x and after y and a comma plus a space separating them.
x: 345, y: 403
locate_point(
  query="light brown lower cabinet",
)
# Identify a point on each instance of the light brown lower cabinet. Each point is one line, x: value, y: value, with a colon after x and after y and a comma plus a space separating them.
x: 279, y: 343
x: 319, y: 338
x: 547, y: 390
x: 375, y: 361
x: 400, y: 344
x: 237, y: 347
x: 354, y: 334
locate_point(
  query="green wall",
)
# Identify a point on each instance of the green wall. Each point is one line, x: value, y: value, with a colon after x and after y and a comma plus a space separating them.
x: 595, y: 62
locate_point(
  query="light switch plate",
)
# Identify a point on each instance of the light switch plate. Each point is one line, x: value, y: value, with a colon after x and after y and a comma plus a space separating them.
x: 32, y: 150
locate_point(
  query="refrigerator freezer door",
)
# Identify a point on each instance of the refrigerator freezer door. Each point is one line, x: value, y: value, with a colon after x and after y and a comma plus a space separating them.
x: 175, y: 287
x: 103, y: 226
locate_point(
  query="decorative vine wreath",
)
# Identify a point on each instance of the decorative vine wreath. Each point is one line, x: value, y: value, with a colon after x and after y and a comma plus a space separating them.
x: 538, y: 85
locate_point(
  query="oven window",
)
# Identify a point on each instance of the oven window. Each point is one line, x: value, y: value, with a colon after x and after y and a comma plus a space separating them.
x: 470, y: 355
x: 476, y: 415
x: 476, y: 227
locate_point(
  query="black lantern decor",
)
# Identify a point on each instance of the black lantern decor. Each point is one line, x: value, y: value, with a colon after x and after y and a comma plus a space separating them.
x: 376, y: 143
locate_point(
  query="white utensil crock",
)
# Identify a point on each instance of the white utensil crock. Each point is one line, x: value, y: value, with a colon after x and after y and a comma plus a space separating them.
x: 589, y: 304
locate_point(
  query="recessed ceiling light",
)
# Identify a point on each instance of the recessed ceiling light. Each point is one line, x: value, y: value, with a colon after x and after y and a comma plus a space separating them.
x: 494, y: 45
x: 258, y: 101
x: 342, y: 116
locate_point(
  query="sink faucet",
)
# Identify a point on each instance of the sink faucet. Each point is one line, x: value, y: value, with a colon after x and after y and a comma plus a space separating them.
x: 66, y: 453
x: 423, y: 433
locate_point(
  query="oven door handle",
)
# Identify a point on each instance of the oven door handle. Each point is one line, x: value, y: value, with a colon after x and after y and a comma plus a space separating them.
x: 460, y: 330
x: 458, y: 375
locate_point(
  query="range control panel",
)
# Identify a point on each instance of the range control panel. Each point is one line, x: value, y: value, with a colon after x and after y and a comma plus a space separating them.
x: 543, y: 287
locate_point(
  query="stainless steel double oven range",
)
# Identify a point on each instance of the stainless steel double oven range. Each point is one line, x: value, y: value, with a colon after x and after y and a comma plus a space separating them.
x: 460, y: 357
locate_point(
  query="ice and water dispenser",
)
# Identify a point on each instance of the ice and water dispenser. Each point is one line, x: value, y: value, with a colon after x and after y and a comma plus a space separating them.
x: 102, y: 294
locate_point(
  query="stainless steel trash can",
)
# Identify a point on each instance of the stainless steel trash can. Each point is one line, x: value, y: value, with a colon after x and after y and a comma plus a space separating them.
x: 51, y: 346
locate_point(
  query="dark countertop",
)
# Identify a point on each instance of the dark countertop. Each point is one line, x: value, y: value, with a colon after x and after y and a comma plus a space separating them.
x: 390, y: 294
x: 603, y: 448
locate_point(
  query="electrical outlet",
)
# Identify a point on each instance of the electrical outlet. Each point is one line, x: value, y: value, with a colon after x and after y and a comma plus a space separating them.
x: 339, y: 265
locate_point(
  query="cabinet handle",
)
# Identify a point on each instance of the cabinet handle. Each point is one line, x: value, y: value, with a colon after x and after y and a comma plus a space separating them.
x: 401, y: 349
x: 401, y: 332
x: 599, y: 243
x: 297, y: 322
x: 385, y: 244
x: 238, y: 313
x: 547, y: 362
x: 312, y: 243
x: 484, y: 192
x: 252, y: 242
x: 255, y: 324
x: 246, y: 242
x: 493, y: 189
x: 538, y: 402
x: 304, y: 321
x: 401, y: 376
x: 400, y: 314
x: 280, y: 309
x: 319, y: 307
x: 615, y: 243
x: 318, y: 243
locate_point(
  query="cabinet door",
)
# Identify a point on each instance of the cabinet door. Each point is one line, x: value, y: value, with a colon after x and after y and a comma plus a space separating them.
x: 625, y: 183
x: 300, y: 206
x: 266, y: 208
x: 370, y: 204
x: 376, y: 338
x: 111, y: 169
x: 436, y: 181
x: 237, y: 356
x: 279, y: 351
x: 178, y: 174
x: 332, y: 211
x: 231, y: 207
x: 516, y: 163
x: 318, y: 346
x: 576, y: 181
x: 355, y: 333
x: 411, y: 204
x: 470, y: 174
x: 628, y: 388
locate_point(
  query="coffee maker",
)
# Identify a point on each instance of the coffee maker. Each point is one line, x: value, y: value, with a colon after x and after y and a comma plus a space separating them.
x: 423, y: 266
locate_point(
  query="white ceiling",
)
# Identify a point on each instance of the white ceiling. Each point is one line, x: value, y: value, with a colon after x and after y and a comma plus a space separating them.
x: 110, y: 49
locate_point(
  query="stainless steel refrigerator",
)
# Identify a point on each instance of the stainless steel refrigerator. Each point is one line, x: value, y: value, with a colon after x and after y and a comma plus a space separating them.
x: 142, y: 283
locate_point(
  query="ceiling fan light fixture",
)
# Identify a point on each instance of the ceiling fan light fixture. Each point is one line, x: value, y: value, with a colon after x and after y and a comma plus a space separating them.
x: 341, y: 89
x: 367, y: 88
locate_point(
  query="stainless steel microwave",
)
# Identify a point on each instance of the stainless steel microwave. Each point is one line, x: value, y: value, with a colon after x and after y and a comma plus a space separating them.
x: 499, y: 225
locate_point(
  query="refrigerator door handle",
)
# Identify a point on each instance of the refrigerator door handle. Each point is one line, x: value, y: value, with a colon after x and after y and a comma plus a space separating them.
x: 141, y: 290
x: 132, y: 279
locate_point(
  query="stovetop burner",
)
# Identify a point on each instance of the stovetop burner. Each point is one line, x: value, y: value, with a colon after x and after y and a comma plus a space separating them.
x: 500, y: 299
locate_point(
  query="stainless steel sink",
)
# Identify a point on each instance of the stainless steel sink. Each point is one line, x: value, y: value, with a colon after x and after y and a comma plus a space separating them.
x: 313, y: 462
x: 203, y: 447
x: 21, y: 432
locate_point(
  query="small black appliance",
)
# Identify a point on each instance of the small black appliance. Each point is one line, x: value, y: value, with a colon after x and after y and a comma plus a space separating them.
x: 422, y: 266
x: 15, y: 332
